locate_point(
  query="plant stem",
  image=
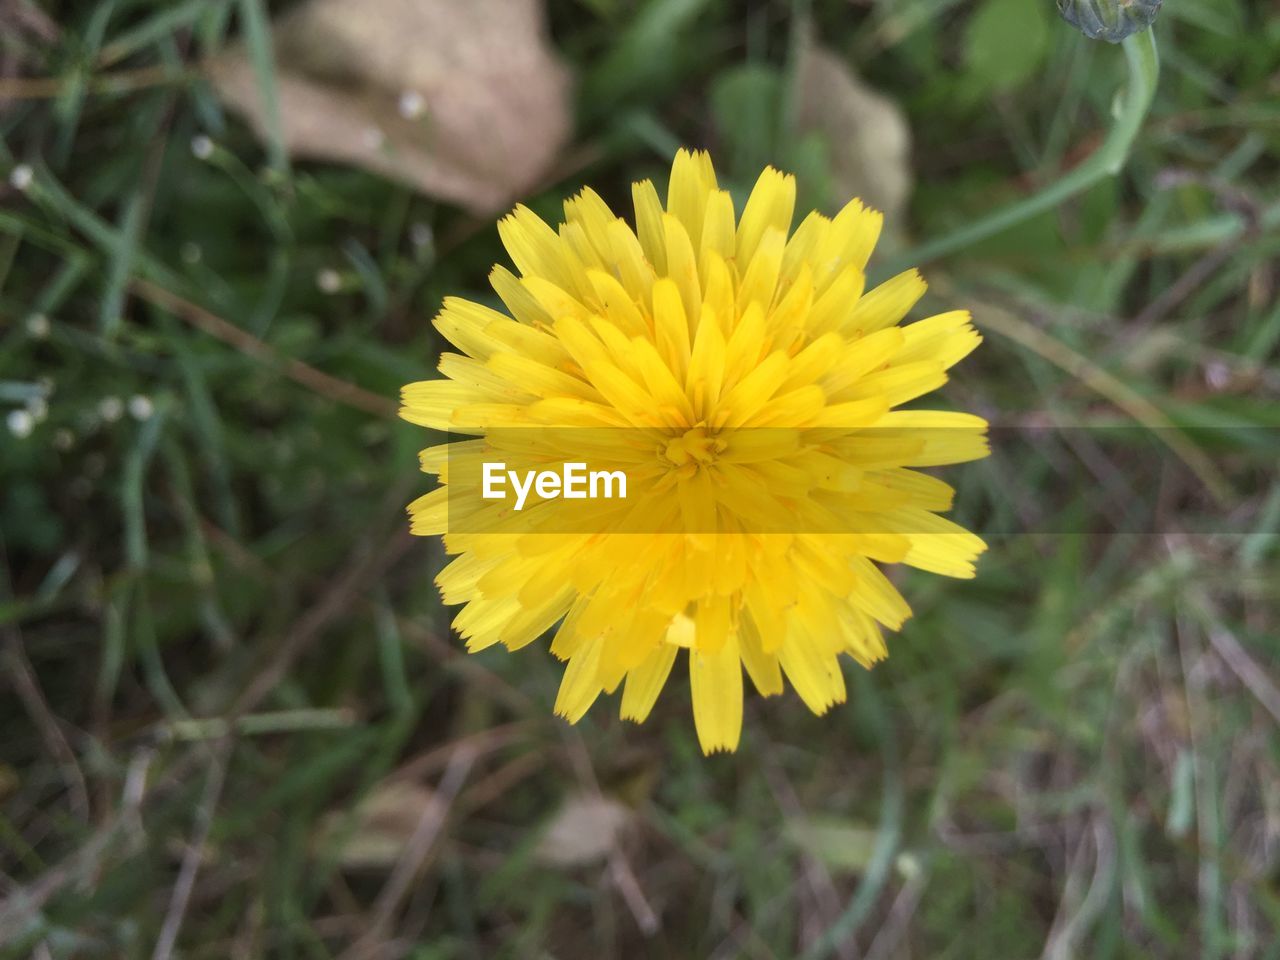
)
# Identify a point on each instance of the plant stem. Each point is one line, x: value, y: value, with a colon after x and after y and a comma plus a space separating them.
x: 1107, y: 160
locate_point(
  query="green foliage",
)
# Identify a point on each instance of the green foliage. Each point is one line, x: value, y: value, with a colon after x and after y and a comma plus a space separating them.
x: 746, y: 103
x: 1072, y: 755
x: 1005, y: 41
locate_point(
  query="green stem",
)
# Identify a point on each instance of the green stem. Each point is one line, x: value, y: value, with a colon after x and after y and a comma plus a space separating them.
x: 1106, y: 161
x: 257, y: 724
x: 884, y: 855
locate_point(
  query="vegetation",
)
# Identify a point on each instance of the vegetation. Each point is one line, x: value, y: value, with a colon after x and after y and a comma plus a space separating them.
x: 236, y: 723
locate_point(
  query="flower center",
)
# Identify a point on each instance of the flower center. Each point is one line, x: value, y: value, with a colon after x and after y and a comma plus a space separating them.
x: 694, y: 447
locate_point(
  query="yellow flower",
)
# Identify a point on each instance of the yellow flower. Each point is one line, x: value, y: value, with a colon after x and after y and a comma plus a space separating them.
x: 744, y: 380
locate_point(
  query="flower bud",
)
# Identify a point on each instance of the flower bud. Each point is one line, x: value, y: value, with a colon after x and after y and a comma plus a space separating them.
x: 1109, y: 20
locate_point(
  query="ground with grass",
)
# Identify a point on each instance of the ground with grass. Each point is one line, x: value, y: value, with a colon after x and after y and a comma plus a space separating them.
x: 236, y: 723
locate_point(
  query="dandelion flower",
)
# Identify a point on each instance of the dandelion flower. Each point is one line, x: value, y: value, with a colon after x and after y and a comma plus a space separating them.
x: 749, y: 384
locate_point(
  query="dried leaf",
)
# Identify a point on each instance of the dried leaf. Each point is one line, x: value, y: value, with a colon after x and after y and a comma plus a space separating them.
x: 867, y: 137
x: 23, y: 15
x: 463, y: 101
x: 385, y: 820
x: 24, y: 27
x: 585, y: 830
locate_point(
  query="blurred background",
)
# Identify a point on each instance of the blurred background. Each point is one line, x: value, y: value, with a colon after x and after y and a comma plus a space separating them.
x: 234, y: 722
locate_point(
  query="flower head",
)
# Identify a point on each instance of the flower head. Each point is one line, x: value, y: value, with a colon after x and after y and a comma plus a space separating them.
x: 746, y: 382
x: 1109, y: 20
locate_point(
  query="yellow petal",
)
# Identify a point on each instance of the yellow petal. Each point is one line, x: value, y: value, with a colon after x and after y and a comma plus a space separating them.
x: 718, y: 290
x: 614, y: 385
x: 815, y: 675
x: 836, y: 306
x: 581, y: 683
x: 635, y: 272
x: 899, y: 384
x: 682, y: 266
x: 849, y: 242
x: 946, y: 338
x: 460, y: 579
x: 580, y: 253
x: 522, y: 304
x: 490, y: 383
x: 435, y: 460
x: 874, y: 594
x: 593, y: 215
x: 803, y: 246
x: 706, y: 362
x: 646, y: 681
x: 857, y: 358
x: 716, y: 680
x: 481, y: 621
x: 944, y: 436
x: 937, y: 544
x: 431, y: 403
x: 671, y: 327
x: 863, y: 638
x: 920, y: 489
x: 762, y: 668
x: 712, y: 623
x: 760, y: 280
x: 535, y: 248
x: 788, y: 322
x: 886, y: 304
x: 771, y: 205
x: 538, y: 379
x: 718, y: 228
x: 615, y: 302
x: 464, y: 324
x: 692, y: 180
x: 429, y: 514
x: 798, y: 408
x: 649, y: 228
x: 754, y: 390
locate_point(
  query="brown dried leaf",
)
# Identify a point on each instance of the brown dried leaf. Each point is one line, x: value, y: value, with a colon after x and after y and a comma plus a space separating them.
x: 24, y: 28
x: 23, y: 15
x: 585, y: 830
x: 462, y: 101
x: 869, y: 142
x: 385, y: 820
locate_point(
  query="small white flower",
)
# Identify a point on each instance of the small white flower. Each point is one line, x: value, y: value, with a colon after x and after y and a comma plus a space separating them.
x: 1217, y: 375
x: 63, y: 439
x: 110, y: 409
x: 329, y: 280
x: 20, y: 423
x: 140, y: 407
x: 411, y: 104
x: 21, y: 176
x: 372, y: 138
x: 421, y: 235
x: 191, y: 252
x: 201, y: 147
x: 908, y: 865
x: 38, y: 326
x: 38, y: 407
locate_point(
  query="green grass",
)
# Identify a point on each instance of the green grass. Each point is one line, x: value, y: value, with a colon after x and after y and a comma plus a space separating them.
x: 219, y: 637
